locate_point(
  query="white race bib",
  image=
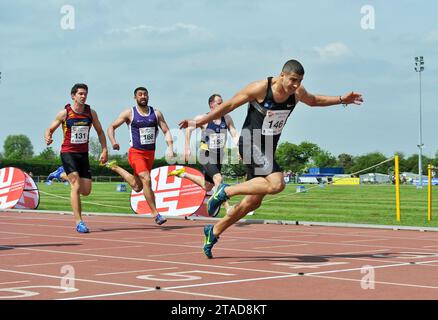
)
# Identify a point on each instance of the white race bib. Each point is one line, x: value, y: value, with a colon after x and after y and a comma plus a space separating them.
x: 274, y: 122
x: 216, y: 140
x: 147, y: 135
x: 79, y: 134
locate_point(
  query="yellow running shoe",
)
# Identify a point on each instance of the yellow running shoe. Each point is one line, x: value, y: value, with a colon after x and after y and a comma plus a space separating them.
x: 109, y: 164
x: 177, y: 173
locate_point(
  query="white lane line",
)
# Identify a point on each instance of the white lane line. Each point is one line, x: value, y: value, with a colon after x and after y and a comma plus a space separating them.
x: 364, y: 240
x: 108, y: 294
x: 10, y: 238
x: 134, y: 271
x: 376, y: 282
x: 152, y: 260
x: 295, y: 236
x: 76, y: 279
x: 184, y: 263
x: 13, y: 254
x: 204, y: 295
x: 171, y: 254
x: 354, y: 252
x: 111, y: 248
x: 52, y: 263
x: 14, y: 282
x: 151, y: 237
x: 283, y: 246
x: 309, y: 230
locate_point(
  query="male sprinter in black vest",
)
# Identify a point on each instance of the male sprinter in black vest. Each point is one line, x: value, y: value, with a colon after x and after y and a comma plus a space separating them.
x: 270, y: 103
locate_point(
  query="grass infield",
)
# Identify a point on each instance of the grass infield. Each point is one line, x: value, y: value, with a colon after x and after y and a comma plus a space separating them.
x: 365, y: 204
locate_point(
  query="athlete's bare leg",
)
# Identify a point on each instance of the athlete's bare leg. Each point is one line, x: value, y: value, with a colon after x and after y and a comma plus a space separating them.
x: 133, y: 180
x: 78, y: 186
x: 149, y: 195
x: 206, y: 185
x: 271, y: 184
x: 218, y: 179
x: 200, y: 181
x: 237, y: 212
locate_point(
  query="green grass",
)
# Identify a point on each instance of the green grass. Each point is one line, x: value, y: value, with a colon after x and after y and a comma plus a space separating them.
x: 370, y: 204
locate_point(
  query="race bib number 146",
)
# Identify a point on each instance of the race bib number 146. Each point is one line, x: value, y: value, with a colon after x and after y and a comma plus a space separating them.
x: 274, y: 122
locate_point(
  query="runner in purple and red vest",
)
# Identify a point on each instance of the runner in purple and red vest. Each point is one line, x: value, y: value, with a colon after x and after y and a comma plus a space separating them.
x: 143, y: 122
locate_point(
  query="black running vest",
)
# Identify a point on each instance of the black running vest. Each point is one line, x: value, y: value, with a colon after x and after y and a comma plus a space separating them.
x: 265, y: 121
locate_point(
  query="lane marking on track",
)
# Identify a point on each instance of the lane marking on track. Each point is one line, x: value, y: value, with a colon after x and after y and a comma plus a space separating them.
x: 310, y: 230
x: 134, y: 271
x: 14, y: 282
x: 376, y: 282
x: 14, y: 254
x: 152, y: 260
x: 52, y: 263
x: 171, y: 254
x: 283, y: 246
x: 76, y: 279
x: 364, y: 240
x: 112, y: 248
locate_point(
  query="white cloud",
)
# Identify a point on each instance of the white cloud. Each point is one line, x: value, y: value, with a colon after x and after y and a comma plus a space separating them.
x: 431, y: 37
x: 333, y: 50
x: 178, y: 27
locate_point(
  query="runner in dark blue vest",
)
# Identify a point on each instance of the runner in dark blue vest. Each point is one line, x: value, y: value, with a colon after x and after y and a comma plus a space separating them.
x: 211, y: 153
x: 271, y: 102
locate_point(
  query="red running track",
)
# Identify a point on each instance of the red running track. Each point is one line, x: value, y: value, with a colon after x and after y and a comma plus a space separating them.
x: 42, y: 257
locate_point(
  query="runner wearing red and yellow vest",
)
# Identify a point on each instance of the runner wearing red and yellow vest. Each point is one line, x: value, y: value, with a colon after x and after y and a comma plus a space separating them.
x: 76, y: 120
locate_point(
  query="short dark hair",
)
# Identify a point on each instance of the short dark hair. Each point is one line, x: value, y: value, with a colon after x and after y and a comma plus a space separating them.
x: 293, y: 66
x: 140, y: 89
x: 211, y: 99
x: 78, y: 86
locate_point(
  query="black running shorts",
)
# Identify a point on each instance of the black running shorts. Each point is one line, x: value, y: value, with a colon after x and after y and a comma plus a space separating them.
x: 211, y: 164
x: 76, y: 162
x: 258, y: 163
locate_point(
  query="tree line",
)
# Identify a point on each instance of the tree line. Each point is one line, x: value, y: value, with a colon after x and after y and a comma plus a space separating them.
x: 297, y: 158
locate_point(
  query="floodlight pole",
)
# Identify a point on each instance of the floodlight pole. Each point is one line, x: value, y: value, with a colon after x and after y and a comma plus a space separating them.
x: 419, y: 62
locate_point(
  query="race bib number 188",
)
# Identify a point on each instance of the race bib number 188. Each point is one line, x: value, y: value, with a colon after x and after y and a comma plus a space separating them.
x: 274, y: 122
x: 147, y: 135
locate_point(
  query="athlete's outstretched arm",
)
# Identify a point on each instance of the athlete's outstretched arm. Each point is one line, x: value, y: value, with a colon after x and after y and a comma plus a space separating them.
x: 167, y: 135
x: 232, y: 129
x: 250, y: 92
x: 324, y: 101
x: 98, y: 127
x: 60, y: 117
x: 188, y: 136
x: 123, y: 117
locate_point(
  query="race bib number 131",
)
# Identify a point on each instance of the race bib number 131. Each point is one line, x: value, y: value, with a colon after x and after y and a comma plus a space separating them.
x: 79, y: 134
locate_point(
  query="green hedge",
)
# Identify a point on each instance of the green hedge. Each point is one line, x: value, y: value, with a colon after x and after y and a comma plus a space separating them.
x: 43, y: 167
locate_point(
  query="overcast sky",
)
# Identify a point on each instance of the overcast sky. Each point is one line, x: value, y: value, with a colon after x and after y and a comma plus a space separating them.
x: 183, y: 51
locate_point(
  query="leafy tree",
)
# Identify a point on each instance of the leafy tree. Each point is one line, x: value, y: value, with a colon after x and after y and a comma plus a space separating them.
x: 47, y: 154
x: 411, y: 163
x: 18, y: 147
x: 324, y: 159
x: 371, y: 159
x: 345, y: 161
